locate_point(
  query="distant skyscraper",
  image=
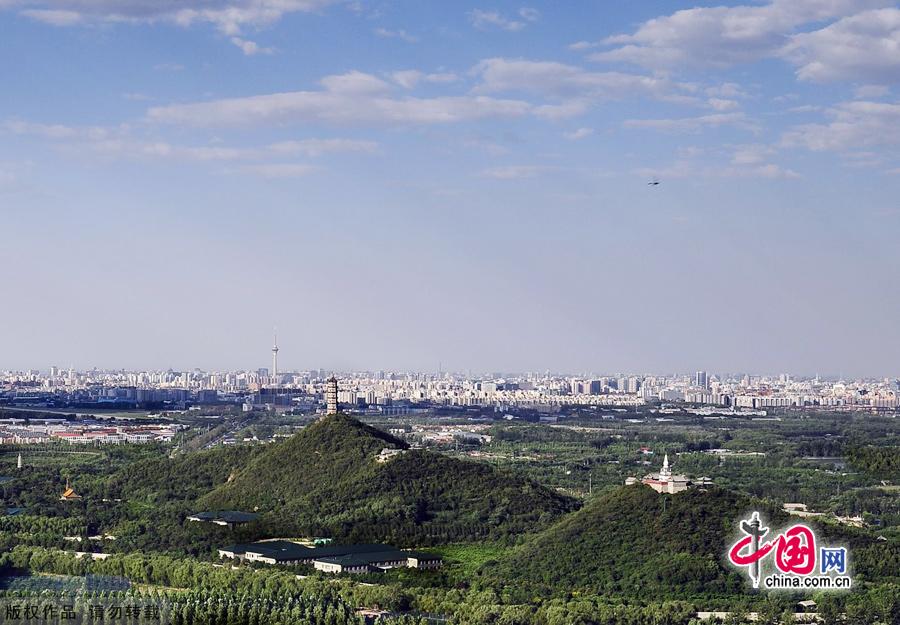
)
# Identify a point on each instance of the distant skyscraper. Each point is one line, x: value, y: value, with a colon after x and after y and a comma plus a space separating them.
x: 275, y: 358
x: 331, y: 396
x: 701, y: 380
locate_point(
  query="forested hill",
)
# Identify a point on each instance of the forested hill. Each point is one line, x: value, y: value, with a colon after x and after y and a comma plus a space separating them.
x: 637, y: 542
x: 326, y: 481
x: 329, y: 452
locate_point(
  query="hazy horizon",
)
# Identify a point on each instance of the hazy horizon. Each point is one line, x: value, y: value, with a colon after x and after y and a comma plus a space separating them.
x: 401, y: 184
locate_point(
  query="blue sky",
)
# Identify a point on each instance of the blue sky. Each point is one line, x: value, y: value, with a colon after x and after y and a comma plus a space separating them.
x: 401, y: 184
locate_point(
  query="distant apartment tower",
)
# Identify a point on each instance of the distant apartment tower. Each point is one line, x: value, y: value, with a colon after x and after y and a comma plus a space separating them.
x: 331, y: 396
x: 701, y: 379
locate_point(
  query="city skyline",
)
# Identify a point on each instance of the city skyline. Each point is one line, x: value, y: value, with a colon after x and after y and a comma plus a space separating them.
x: 453, y: 183
x: 700, y: 377
x: 391, y: 390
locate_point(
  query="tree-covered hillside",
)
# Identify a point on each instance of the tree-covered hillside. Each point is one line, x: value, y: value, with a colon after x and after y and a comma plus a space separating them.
x: 327, y: 481
x: 637, y: 542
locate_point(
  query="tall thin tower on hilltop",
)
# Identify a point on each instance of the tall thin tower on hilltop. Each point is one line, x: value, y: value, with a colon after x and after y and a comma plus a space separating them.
x: 275, y: 356
x: 331, y: 396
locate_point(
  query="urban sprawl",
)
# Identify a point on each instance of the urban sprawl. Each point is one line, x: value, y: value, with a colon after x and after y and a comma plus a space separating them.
x: 392, y: 392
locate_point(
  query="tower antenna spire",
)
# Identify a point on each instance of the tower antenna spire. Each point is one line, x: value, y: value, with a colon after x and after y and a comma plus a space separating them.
x: 274, y: 354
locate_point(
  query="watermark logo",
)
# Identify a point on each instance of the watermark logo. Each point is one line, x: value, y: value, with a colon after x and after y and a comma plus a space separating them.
x: 791, y: 559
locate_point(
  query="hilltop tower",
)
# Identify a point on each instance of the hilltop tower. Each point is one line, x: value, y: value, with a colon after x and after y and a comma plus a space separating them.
x: 19, y: 462
x: 331, y: 396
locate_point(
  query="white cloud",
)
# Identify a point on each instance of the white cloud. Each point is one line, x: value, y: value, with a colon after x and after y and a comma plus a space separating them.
x: 228, y: 16
x: 804, y: 108
x: 119, y: 141
x: 280, y: 170
x: 60, y: 131
x: 316, y: 147
x: 854, y: 125
x: 53, y: 17
x: 691, y: 168
x: 396, y: 34
x: 514, y: 172
x: 751, y: 154
x: 354, y: 83
x: 692, y: 124
x: 564, y: 110
x: 410, y: 78
x: 484, y: 20
x: 729, y: 90
x: 722, y: 104
x: 487, y: 144
x: 864, y: 92
x: 441, y: 77
x: 250, y: 48
x: 353, y: 98
x: 865, y: 46
x: 407, y: 78
x: 769, y: 170
x: 581, y: 133
x: 553, y: 79
x: 721, y: 36
x: 581, y: 46
x: 529, y: 14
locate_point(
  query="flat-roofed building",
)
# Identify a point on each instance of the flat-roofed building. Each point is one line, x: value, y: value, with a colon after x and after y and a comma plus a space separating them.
x: 331, y: 558
x: 362, y: 562
x: 422, y: 560
x: 228, y: 518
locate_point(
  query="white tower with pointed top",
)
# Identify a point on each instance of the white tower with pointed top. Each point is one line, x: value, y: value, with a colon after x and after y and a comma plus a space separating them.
x: 19, y: 462
x: 665, y: 472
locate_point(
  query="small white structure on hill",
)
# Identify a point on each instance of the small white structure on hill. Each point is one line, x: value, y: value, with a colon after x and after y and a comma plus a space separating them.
x: 665, y: 481
x: 387, y: 453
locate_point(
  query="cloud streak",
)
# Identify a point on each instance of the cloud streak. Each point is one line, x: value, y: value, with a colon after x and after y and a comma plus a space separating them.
x: 228, y: 16
x: 486, y: 20
x: 352, y: 98
x: 692, y: 124
x: 119, y: 142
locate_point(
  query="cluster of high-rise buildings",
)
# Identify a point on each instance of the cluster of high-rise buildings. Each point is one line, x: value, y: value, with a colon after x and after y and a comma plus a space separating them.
x: 384, y: 389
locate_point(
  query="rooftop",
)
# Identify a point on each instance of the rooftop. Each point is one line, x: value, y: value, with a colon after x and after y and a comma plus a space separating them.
x: 224, y: 516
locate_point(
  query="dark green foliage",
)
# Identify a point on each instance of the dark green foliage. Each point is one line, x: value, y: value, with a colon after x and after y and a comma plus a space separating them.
x: 882, y: 462
x: 637, y: 542
x: 328, y: 452
x: 326, y: 481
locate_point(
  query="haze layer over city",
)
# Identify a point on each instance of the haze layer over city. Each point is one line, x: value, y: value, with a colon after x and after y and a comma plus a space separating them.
x: 465, y: 184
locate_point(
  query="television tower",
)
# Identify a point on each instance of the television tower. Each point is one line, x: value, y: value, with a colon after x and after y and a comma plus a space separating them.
x: 275, y: 357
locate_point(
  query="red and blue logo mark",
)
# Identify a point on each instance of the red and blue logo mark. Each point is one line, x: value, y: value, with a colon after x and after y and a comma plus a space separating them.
x: 794, y: 552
